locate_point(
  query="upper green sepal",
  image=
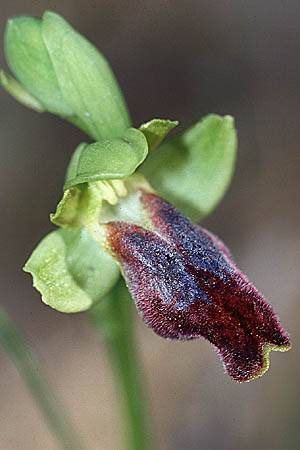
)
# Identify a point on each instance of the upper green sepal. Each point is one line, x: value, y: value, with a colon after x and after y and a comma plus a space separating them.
x: 107, y: 159
x: 71, y: 271
x: 156, y: 130
x: 66, y: 74
x: 193, y: 170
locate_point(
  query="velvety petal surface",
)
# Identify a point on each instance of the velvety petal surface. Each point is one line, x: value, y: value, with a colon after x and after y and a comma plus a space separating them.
x: 186, y: 285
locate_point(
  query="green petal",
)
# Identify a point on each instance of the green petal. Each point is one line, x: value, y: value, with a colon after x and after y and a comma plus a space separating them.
x: 156, y: 130
x: 80, y: 206
x: 29, y: 60
x: 91, y: 204
x: 85, y: 79
x: 68, y: 210
x: 193, y: 171
x: 107, y: 159
x: 71, y: 271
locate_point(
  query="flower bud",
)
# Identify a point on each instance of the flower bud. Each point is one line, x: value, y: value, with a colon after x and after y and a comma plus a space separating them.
x: 28, y: 58
x: 66, y: 74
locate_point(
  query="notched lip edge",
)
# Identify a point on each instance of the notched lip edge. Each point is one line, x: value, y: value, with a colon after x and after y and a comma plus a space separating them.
x: 266, y: 350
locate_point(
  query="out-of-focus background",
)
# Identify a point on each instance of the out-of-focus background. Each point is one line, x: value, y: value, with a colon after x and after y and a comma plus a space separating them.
x: 181, y: 60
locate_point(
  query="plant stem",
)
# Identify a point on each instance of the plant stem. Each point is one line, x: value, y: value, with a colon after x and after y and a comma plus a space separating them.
x: 14, y: 345
x: 112, y: 318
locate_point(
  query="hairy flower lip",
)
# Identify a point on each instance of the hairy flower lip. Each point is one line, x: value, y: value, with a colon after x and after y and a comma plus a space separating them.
x: 186, y: 285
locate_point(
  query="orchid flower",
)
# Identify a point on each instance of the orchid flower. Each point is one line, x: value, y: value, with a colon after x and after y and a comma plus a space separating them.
x: 182, y: 278
x: 116, y: 217
x: 186, y: 285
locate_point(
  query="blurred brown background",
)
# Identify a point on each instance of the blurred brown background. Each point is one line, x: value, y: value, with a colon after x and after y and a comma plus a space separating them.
x: 181, y: 60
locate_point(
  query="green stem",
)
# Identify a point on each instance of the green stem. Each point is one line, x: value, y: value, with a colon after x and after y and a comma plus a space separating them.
x: 112, y: 318
x: 14, y: 345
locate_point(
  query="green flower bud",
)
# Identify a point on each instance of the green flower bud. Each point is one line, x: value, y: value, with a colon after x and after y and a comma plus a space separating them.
x: 66, y: 74
x: 28, y: 58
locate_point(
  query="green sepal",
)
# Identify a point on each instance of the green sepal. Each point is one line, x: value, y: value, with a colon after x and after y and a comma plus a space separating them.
x: 71, y: 271
x: 85, y: 79
x: 16, y: 90
x: 156, y: 130
x: 193, y: 170
x: 107, y: 159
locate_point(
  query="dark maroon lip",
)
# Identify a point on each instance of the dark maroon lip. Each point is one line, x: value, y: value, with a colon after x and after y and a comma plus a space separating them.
x: 186, y: 285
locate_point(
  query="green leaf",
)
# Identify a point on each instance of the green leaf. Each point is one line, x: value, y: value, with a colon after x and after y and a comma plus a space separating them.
x: 85, y: 79
x: 28, y: 59
x: 107, y: 159
x: 71, y: 271
x: 193, y: 170
x: 156, y: 130
x: 48, y: 403
x: 16, y: 90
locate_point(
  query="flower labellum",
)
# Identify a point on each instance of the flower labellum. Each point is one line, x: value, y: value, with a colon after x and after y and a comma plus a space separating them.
x: 186, y: 285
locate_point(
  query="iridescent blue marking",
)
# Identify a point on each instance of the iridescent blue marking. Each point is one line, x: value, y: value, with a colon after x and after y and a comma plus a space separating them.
x: 201, y: 251
x: 168, y: 273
